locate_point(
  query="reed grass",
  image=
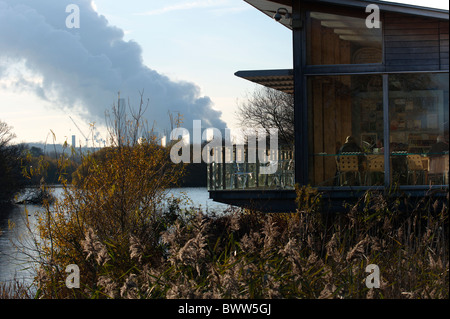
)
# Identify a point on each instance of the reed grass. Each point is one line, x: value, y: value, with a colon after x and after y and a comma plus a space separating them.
x: 312, y: 255
x: 245, y: 254
x: 14, y: 289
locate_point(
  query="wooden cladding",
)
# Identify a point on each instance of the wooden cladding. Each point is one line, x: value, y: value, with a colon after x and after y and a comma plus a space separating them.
x: 331, y: 119
x: 337, y: 39
x: 406, y: 43
x: 327, y: 47
x: 415, y: 43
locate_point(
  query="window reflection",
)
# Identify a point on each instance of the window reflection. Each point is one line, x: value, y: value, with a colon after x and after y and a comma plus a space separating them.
x: 346, y: 125
x: 337, y: 39
x: 346, y: 131
x: 418, y: 128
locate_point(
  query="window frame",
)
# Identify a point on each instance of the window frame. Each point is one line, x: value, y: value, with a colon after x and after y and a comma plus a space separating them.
x: 386, y: 134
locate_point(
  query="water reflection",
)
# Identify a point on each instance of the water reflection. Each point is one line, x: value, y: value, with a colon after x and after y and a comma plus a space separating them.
x: 16, y: 265
x: 15, y: 243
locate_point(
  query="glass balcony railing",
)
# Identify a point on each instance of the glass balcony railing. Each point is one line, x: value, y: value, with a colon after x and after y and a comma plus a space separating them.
x: 234, y: 171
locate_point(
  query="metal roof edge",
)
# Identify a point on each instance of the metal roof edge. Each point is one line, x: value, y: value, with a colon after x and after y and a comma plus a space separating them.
x: 387, y: 6
x: 259, y: 73
x: 392, y: 7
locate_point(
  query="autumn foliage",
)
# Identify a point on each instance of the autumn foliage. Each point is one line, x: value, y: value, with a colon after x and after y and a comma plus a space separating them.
x: 130, y: 240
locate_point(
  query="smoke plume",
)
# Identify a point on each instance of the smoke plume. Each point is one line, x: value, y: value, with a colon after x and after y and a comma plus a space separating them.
x: 82, y: 69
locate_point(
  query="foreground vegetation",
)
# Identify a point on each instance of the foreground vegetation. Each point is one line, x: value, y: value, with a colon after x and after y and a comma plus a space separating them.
x: 130, y: 240
x: 243, y: 254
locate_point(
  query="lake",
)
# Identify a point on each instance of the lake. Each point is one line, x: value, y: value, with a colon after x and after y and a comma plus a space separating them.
x: 16, y: 265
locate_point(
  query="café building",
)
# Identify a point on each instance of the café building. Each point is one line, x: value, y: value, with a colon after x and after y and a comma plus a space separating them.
x: 370, y: 84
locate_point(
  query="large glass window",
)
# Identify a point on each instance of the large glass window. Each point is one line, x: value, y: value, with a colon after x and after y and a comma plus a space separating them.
x: 346, y: 141
x: 346, y: 130
x: 337, y: 39
x: 418, y: 116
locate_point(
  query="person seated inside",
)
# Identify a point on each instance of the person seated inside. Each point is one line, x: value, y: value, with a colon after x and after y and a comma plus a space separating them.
x: 350, y: 145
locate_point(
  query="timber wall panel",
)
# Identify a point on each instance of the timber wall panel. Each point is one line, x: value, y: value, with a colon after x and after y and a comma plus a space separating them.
x: 412, y: 43
x: 331, y: 118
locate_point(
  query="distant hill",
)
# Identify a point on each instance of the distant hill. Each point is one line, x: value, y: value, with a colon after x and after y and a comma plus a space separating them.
x: 49, y: 149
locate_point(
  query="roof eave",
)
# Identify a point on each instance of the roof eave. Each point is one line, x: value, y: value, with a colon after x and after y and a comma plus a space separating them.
x: 392, y: 7
x: 280, y: 79
x: 386, y: 6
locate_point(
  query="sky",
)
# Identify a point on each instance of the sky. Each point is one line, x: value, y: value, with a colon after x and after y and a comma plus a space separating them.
x: 181, y: 53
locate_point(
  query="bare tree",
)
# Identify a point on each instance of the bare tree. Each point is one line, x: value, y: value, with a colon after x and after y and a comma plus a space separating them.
x: 119, y: 124
x: 11, y: 161
x: 268, y: 108
x: 6, y: 134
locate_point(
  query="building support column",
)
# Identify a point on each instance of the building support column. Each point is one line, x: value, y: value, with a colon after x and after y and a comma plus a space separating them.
x: 386, y: 133
x: 300, y: 105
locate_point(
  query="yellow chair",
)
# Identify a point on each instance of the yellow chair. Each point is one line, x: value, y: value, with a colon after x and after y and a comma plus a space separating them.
x: 375, y: 165
x: 348, y: 164
x: 415, y: 167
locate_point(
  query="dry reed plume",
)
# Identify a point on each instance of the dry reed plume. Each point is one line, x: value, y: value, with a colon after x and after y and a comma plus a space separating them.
x: 115, y: 225
x: 308, y: 254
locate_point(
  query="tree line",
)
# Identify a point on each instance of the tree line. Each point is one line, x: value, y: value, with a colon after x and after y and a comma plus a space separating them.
x: 11, y: 160
x: 23, y: 166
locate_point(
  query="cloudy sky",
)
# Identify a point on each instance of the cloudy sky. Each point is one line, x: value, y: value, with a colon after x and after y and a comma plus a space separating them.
x: 182, y: 53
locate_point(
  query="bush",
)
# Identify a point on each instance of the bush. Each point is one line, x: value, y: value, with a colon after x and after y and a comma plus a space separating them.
x: 117, y: 195
x: 12, y: 159
x: 131, y: 241
x: 247, y: 254
x: 307, y: 254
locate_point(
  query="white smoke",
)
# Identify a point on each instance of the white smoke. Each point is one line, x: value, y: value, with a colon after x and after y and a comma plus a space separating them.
x: 83, y: 69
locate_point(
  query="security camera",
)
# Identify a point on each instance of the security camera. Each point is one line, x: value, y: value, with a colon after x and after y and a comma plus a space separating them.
x: 277, y: 16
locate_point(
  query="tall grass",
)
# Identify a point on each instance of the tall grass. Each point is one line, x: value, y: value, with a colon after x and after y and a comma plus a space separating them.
x: 14, y: 289
x: 308, y: 254
x: 114, y: 225
x: 245, y: 254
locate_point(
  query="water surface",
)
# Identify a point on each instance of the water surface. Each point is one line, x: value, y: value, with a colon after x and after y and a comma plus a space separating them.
x: 15, y: 251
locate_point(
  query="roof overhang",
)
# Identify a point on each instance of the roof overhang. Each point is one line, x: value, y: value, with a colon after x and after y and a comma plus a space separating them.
x: 270, y: 7
x: 281, y: 80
